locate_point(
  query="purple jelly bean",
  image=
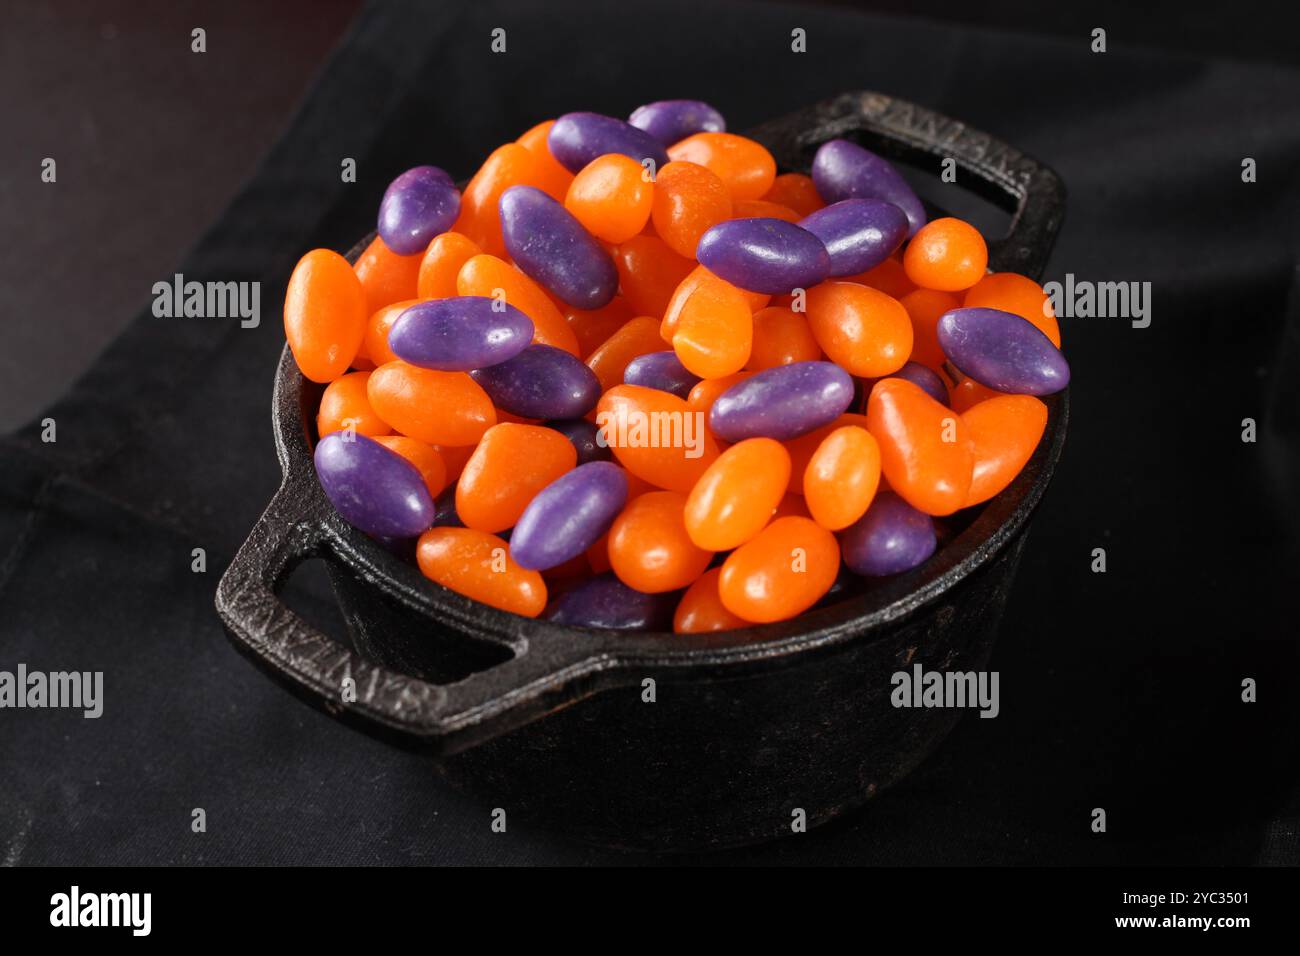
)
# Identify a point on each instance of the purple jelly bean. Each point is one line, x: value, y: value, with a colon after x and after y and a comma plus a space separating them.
x: 583, y: 434
x: 374, y: 489
x: 566, y: 517
x: 552, y: 247
x: 578, y: 138
x: 541, y: 382
x: 605, y: 601
x: 782, y: 402
x: 843, y: 170
x: 1002, y: 351
x: 764, y: 255
x: 418, y: 205
x: 461, y: 333
x: 927, y: 379
x: 859, y: 234
x: 661, y: 370
x: 672, y: 120
x: 892, y: 537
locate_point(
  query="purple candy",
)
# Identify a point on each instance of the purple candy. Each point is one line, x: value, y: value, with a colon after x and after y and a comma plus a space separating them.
x: 892, y: 537
x: 418, y: 205
x: 549, y: 245
x: 582, y: 434
x: 672, y: 120
x: 578, y: 138
x: 764, y: 255
x: 568, y: 515
x: 927, y: 379
x: 843, y: 170
x: 859, y: 234
x: 461, y: 333
x: 541, y: 382
x: 661, y: 370
x: 374, y: 489
x: 1002, y: 351
x: 782, y: 402
x: 605, y: 601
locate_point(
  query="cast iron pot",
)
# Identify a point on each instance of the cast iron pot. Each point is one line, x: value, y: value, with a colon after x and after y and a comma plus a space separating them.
x: 657, y: 741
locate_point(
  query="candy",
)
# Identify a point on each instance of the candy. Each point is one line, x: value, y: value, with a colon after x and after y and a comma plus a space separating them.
x: 428, y: 461
x: 688, y: 200
x: 568, y: 515
x: 701, y: 609
x: 795, y: 191
x: 374, y: 344
x: 662, y: 370
x: 781, y: 337
x: 550, y: 246
x: 438, y: 408
x: 541, y: 382
x: 460, y: 333
x: 843, y: 170
x: 669, y: 121
x: 782, y: 572
x: 649, y: 272
x: 479, y: 566
x: 924, y: 306
x: 385, y: 276
x: 606, y: 602
x: 1002, y: 351
x: 803, y: 448
x: 480, y: 220
x: 611, y: 197
x: 842, y: 476
x: 656, y: 436
x: 735, y: 497
x: 946, y: 254
x: 764, y: 255
x: 711, y: 327
x: 866, y: 332
x: 417, y: 205
x: 593, y: 327
x: 441, y: 264
x: 782, y: 402
x: 552, y: 178
x: 745, y: 166
x: 649, y: 547
x: 344, y: 404
x: 859, y: 234
x: 373, y: 488
x: 1004, y: 431
x: 609, y: 362
x: 582, y: 434
x: 1016, y: 294
x: 930, y: 381
x: 511, y: 464
x: 892, y: 537
x: 324, y: 315
x: 578, y: 138
x: 925, y: 453
x: 489, y: 276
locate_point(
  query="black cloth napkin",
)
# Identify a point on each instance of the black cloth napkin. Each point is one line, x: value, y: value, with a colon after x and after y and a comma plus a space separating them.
x: 1120, y: 690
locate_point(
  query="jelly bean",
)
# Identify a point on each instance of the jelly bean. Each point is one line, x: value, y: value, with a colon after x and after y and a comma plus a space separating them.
x: 439, y: 408
x: 552, y: 178
x: 511, y: 464
x: 375, y: 342
x: 344, y: 404
x: 460, y: 333
x: 593, y: 327
x: 480, y: 219
x: 568, y: 515
x: 781, y: 337
x: 968, y: 393
x: 444, y: 510
x: 578, y: 138
x: 761, y: 209
x: 442, y: 263
x: 582, y: 434
x: 1019, y: 295
x: 802, y: 449
x: 688, y: 201
x: 791, y: 504
x: 861, y: 329
x: 610, y: 361
x: 1004, y: 432
x: 649, y: 272
x: 734, y: 499
x: 859, y: 234
x: 713, y: 293
x: 606, y: 602
x: 889, y: 277
x: 795, y: 191
x: 649, y: 548
x: 705, y: 393
x: 324, y: 315
x: 455, y: 457
x: 712, y: 328
x: 374, y: 489
x: 930, y: 381
x: 925, y: 452
x: 655, y: 436
x: 764, y: 255
x: 782, y: 572
x: 842, y: 477
x: 892, y: 537
x: 1002, y: 351
x: 924, y: 306
x: 611, y: 197
x: 418, y: 205
x: 385, y: 276
x: 551, y: 247
x: 541, y: 382
x: 782, y: 402
x: 701, y: 609
x: 662, y: 370
x: 490, y: 276
x: 427, y: 460
x: 672, y: 120
x: 844, y: 170
x: 946, y: 254
x: 478, y: 565
x: 746, y: 167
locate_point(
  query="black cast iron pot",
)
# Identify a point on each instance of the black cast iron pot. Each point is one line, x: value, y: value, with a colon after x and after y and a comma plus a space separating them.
x: 746, y: 727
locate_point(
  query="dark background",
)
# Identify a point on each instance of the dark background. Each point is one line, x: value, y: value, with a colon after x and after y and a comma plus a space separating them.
x: 1126, y: 685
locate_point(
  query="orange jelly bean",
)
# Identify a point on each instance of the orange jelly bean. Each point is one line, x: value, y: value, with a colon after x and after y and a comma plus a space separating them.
x: 861, y: 329
x: 439, y: 408
x: 701, y: 609
x: 478, y: 565
x: 655, y: 436
x: 688, y: 201
x: 428, y: 461
x: 611, y: 197
x: 714, y: 330
x: 1019, y: 295
x: 781, y: 336
x: 442, y: 262
x: 385, y: 276
x: 375, y: 343
x: 736, y: 497
x: 493, y: 277
x: 746, y: 167
x: 968, y: 393
x: 456, y: 457
x: 924, y: 306
x: 649, y: 272
x: 706, y: 392
x: 784, y: 571
x: 946, y: 254
x: 791, y: 504
x: 761, y: 209
x: 324, y: 315
x: 924, y: 449
x: 553, y: 179
x: 649, y: 548
x: 343, y: 403
x: 511, y: 464
x: 702, y: 280
x: 802, y: 449
x: 508, y: 165
x: 795, y: 191
x: 636, y: 338
x: 593, y: 327
x: 842, y: 477
x: 1004, y: 432
x: 889, y: 277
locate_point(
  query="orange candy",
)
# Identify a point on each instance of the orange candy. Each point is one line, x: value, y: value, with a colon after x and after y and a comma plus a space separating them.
x: 1004, y: 432
x: 701, y: 609
x: 511, y: 464
x: 781, y: 337
x: 636, y: 338
x: 795, y: 191
x: 735, y: 498
x: 649, y: 272
x: 594, y: 327
x: 784, y: 571
x: 968, y: 393
x: 438, y: 408
x: 649, y: 548
x: 509, y: 165
x: 842, y: 477
x: 655, y: 436
x: 491, y: 277
x: 688, y: 200
x: 924, y: 306
x: 802, y: 449
x: 611, y: 197
x: 702, y: 280
x: 553, y: 179
x: 344, y: 403
x: 385, y: 276
x: 925, y: 452
x: 761, y: 209
x: 375, y: 343
x: 705, y: 393
x: 889, y: 277
x: 861, y: 329
x: 478, y: 565
x: 746, y: 167
x: 442, y: 263
x: 713, y: 329
x: 427, y: 460
x: 1019, y: 295
x: 324, y: 315
x: 946, y: 254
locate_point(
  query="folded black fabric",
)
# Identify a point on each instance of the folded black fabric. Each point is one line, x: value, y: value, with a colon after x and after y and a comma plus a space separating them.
x: 1120, y: 690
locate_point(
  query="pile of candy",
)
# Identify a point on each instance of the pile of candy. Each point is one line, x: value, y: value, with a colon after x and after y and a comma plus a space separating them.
x: 631, y: 377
